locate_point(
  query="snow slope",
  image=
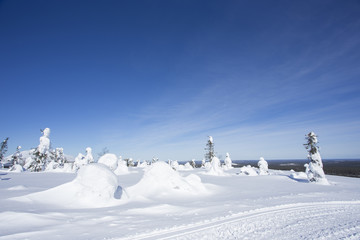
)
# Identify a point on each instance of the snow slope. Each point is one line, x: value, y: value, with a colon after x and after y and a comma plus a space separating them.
x: 282, y: 205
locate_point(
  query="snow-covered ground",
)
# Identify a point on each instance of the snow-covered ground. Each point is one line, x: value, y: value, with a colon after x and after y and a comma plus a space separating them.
x: 158, y: 203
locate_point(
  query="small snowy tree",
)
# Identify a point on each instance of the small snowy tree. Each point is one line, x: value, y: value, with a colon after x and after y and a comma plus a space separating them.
x: 3, y: 148
x: 263, y: 167
x: 209, y: 150
x: 57, y: 156
x: 82, y: 160
x: 314, y: 169
x: 192, y: 163
x: 41, y: 153
x: 227, y: 161
x: 16, y: 158
x: 89, y: 157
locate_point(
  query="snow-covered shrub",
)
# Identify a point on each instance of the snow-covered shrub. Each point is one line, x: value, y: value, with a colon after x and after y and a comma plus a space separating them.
x: 248, y: 170
x: 82, y: 160
x: 263, y: 167
x: 314, y: 169
x: 228, y: 162
x: 110, y: 160
x: 174, y: 164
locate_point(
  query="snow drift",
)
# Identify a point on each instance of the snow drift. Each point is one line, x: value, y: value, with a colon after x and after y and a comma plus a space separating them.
x: 160, y: 180
x: 94, y: 186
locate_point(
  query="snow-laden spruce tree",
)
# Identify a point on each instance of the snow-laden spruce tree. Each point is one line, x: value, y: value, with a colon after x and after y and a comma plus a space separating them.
x: 3, y: 148
x: 16, y: 158
x: 209, y: 150
x: 263, y: 167
x: 227, y: 161
x: 58, y: 158
x: 314, y: 170
x: 41, y: 153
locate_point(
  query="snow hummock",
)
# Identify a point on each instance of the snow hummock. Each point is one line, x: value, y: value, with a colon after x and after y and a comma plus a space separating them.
x: 94, y: 186
x: 161, y: 180
x: 110, y: 160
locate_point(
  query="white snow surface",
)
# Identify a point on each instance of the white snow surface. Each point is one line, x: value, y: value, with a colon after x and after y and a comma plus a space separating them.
x: 156, y: 202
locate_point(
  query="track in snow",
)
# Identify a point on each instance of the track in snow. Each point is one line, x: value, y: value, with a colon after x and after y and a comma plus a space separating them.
x: 321, y: 220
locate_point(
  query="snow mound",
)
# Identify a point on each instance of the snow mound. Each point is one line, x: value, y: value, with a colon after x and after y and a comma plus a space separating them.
x: 248, y: 170
x: 160, y: 180
x: 298, y: 175
x: 94, y: 186
x: 110, y: 160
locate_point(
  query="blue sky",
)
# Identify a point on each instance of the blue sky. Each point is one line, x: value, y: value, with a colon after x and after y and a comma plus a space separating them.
x: 155, y: 78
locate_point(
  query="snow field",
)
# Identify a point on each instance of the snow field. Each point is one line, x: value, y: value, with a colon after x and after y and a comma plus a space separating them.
x: 157, y: 202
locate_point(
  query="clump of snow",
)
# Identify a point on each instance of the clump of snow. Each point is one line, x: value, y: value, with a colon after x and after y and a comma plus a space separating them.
x: 263, y: 167
x: 161, y: 180
x: 110, y: 160
x: 122, y: 168
x: 214, y: 168
x: 248, y: 170
x: 211, y: 139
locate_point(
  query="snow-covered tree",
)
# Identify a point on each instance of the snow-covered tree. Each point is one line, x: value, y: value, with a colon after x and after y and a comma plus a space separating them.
x: 209, y: 150
x: 89, y: 157
x: 82, y: 160
x: 57, y: 156
x: 16, y: 158
x: 263, y: 167
x: 41, y: 153
x: 314, y: 169
x: 227, y: 161
x: 203, y: 161
x: 3, y: 148
x: 154, y: 160
x: 192, y: 163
